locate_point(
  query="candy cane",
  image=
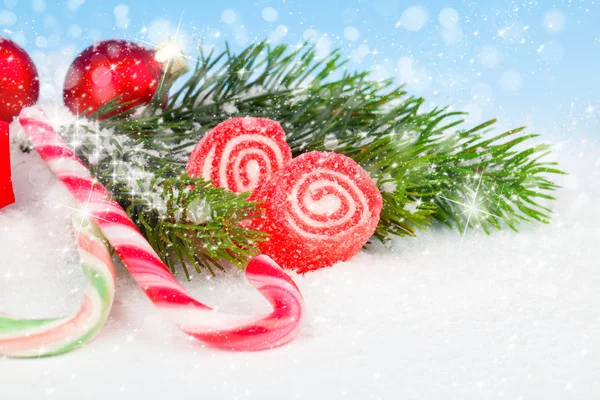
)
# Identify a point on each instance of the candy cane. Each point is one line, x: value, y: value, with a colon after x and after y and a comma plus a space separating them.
x: 196, y: 319
x: 321, y: 208
x: 240, y: 154
x: 53, y: 336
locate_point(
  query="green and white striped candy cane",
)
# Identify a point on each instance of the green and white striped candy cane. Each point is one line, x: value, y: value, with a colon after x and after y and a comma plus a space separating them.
x: 52, y: 336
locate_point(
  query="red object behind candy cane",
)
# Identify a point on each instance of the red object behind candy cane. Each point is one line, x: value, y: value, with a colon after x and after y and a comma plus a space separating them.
x: 213, y: 327
x: 6, y: 190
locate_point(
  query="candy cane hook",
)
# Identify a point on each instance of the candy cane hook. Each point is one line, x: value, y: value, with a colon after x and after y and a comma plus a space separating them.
x: 53, y: 336
x: 213, y: 327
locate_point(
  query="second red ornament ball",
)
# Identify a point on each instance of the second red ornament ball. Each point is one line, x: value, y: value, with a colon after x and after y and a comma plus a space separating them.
x: 110, y: 69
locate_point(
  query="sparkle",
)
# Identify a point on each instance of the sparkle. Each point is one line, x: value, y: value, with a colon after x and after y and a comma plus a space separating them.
x: 170, y: 52
x: 473, y: 208
x: 501, y: 32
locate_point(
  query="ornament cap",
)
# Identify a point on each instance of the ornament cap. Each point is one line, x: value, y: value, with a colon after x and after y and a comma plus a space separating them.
x: 170, y: 54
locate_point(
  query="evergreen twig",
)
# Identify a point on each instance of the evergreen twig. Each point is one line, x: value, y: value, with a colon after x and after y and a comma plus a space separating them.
x: 426, y: 164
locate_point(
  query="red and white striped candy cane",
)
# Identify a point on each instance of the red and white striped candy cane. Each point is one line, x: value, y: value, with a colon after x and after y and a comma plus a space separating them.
x: 213, y: 327
x: 20, y: 337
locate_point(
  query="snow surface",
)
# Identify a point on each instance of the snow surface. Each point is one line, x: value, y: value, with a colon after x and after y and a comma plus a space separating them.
x: 510, y: 315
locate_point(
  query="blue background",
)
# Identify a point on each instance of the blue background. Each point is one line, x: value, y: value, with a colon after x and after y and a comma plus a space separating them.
x: 527, y: 63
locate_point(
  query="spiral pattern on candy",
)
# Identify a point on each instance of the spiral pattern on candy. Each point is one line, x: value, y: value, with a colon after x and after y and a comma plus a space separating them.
x: 320, y: 209
x: 191, y: 316
x: 53, y: 336
x: 240, y: 154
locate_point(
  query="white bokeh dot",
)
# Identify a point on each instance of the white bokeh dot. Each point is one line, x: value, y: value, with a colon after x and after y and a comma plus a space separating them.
x: 511, y: 80
x: 409, y: 73
x: 240, y: 34
x: 74, y: 31
x: 228, y: 16
x: 20, y: 38
x: 448, y: 17
x: 161, y: 29
x: 269, y: 14
x: 121, y: 13
x: 278, y: 34
x: 380, y: 72
x: 102, y: 76
x: 39, y: 6
x: 74, y: 5
x: 550, y: 291
x: 50, y: 22
x: 310, y: 35
x: 413, y: 18
x: 489, y: 56
x: 482, y: 93
x: 554, y: 21
x: 351, y: 33
x: 322, y: 47
x: 53, y: 40
x: 281, y: 30
x: 7, y: 18
x: 47, y: 91
x: 41, y: 42
x: 361, y: 52
x: 95, y: 34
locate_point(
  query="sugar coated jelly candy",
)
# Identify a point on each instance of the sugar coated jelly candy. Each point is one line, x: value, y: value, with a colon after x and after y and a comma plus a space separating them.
x: 240, y: 154
x: 320, y: 208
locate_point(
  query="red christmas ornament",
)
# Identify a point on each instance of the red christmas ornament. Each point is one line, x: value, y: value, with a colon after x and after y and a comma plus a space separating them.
x: 19, y: 84
x: 320, y: 208
x: 110, y: 69
x: 6, y: 191
x: 240, y: 154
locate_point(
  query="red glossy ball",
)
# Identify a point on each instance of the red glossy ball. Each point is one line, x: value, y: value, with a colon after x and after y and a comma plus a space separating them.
x: 19, y: 84
x: 110, y: 69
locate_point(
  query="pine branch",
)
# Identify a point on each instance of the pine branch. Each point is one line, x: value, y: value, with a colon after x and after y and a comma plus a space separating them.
x: 427, y: 166
x: 187, y: 221
x: 201, y: 227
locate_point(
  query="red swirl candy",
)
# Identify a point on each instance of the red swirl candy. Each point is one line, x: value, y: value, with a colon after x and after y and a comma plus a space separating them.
x: 240, y: 154
x: 320, y: 209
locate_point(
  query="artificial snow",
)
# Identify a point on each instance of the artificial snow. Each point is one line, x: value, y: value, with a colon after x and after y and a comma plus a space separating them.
x: 436, y: 317
x: 198, y: 211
